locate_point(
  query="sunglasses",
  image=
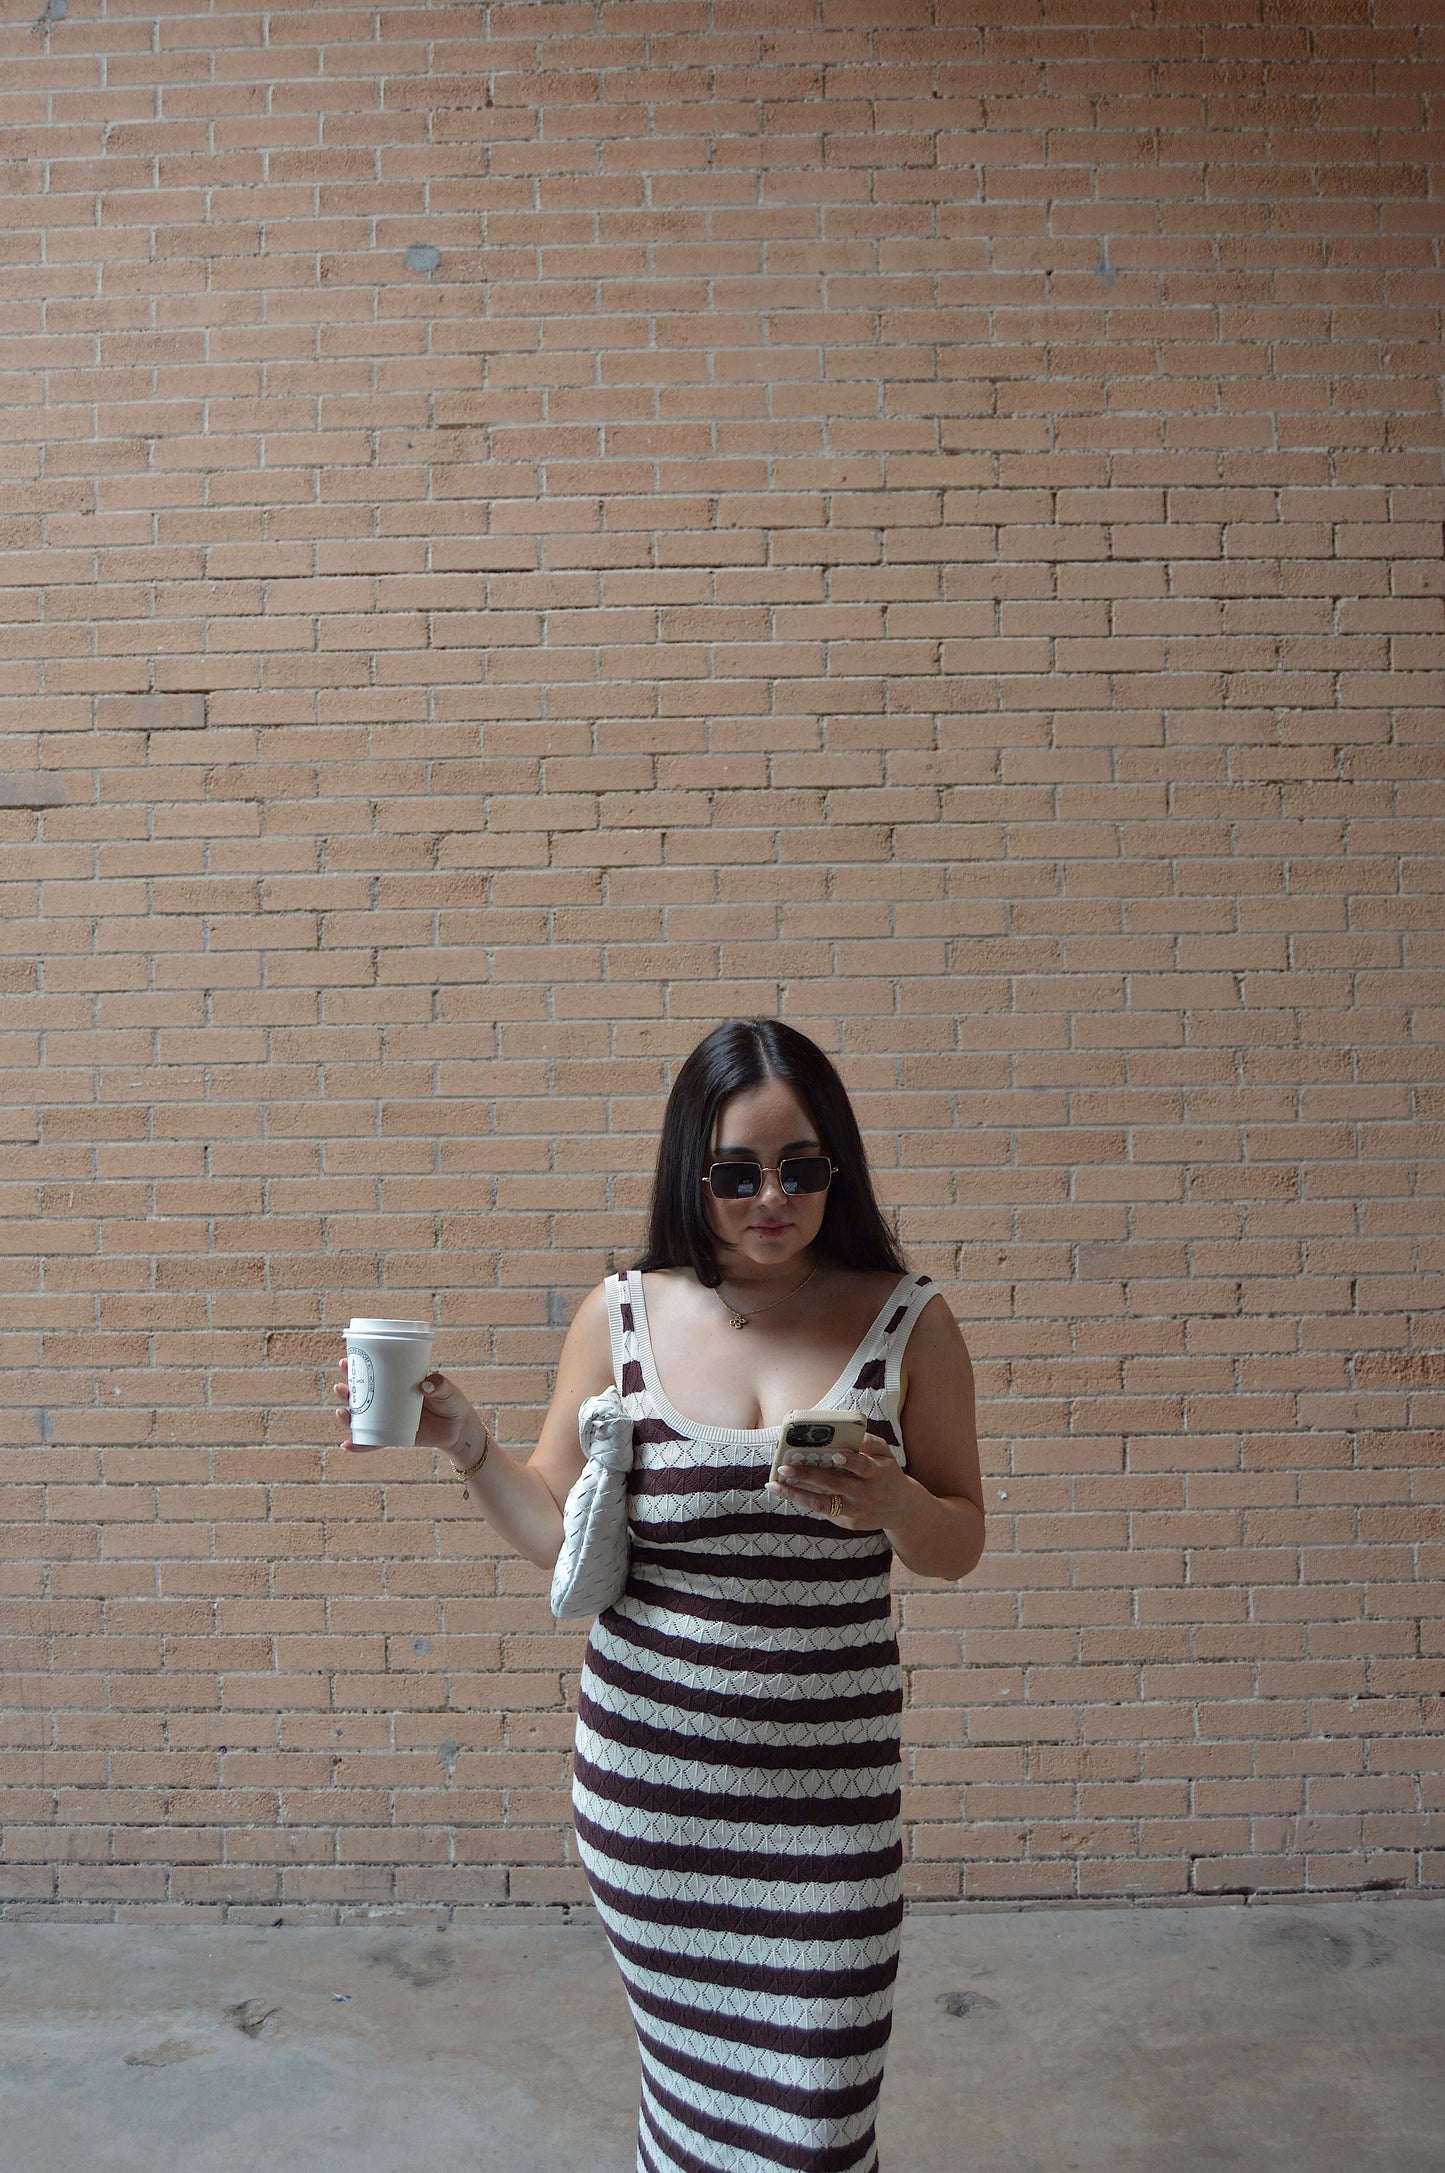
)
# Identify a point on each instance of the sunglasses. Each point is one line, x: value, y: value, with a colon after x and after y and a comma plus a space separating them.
x: 796, y: 1173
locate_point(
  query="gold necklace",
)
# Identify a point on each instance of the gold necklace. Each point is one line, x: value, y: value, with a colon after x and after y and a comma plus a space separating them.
x: 740, y: 1320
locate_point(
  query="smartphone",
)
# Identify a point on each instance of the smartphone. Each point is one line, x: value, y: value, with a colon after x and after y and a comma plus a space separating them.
x: 817, y: 1437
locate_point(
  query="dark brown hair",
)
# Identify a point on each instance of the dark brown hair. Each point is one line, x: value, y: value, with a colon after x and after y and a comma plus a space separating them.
x: 739, y: 1054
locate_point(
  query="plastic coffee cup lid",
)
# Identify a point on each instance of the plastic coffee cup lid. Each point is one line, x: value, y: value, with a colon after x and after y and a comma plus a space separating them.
x: 410, y: 1328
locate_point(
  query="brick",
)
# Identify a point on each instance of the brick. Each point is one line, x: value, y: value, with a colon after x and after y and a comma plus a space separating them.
x: 418, y: 731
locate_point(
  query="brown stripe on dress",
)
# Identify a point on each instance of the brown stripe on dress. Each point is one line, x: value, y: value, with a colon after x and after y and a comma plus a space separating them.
x: 821, y: 1870
x: 654, y: 1429
x: 757, y: 1659
x: 727, y: 1705
x: 801, y: 2040
x: 768, y: 2149
x: 757, y: 1614
x: 728, y: 1919
x: 736, y: 1809
x: 805, y: 2102
x: 652, y: 1531
x: 809, y: 1984
x: 718, y: 1751
x: 768, y: 1568
x: 696, y: 1478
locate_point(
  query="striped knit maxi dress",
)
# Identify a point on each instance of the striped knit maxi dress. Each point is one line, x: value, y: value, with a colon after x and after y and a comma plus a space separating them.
x: 736, y: 1782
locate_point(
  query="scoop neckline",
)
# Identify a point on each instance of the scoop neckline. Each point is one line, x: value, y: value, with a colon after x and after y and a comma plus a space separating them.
x: 739, y: 1434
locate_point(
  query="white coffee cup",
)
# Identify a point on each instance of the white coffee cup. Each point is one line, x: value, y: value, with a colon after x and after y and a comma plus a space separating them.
x: 386, y: 1362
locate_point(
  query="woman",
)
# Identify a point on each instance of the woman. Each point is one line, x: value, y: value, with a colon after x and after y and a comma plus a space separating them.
x: 737, y: 1763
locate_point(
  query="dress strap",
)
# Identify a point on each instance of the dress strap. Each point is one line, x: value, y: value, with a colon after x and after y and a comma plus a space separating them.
x: 912, y: 1298
x: 619, y: 1325
x: 624, y: 1300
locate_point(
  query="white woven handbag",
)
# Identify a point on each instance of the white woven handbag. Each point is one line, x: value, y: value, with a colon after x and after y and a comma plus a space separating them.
x: 592, y: 1566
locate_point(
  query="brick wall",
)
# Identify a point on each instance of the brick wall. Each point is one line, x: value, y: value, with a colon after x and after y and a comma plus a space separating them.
x: 532, y: 528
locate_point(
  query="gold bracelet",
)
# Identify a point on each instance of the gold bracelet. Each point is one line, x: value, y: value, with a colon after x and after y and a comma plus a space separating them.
x: 472, y: 1469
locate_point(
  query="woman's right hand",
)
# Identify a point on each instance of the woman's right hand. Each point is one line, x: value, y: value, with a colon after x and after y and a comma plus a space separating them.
x: 447, y: 1418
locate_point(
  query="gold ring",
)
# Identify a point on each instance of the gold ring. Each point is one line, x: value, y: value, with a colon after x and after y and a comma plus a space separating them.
x: 835, y: 1505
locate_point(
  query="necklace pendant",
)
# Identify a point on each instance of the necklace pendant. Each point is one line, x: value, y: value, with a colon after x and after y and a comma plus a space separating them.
x: 739, y: 1320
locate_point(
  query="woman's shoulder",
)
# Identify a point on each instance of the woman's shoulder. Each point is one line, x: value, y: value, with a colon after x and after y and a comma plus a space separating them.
x: 934, y: 1335
x: 873, y: 1283
x: 585, y: 1365
x: 589, y: 1323
x: 667, y: 1286
x: 854, y: 1301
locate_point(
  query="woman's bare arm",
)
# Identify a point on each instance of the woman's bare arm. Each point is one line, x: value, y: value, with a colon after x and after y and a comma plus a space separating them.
x: 523, y: 1502
x: 943, y: 1533
x: 584, y: 1369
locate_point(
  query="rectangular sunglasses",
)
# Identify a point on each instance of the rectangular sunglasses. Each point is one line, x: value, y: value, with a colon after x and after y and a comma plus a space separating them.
x: 796, y: 1173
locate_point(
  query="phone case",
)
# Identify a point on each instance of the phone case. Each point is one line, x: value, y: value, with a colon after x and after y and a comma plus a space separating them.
x: 849, y: 1428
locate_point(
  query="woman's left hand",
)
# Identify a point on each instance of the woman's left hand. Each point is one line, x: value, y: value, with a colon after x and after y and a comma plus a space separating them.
x: 870, y: 1483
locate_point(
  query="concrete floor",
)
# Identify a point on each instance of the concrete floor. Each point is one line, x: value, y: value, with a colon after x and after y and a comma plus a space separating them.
x: 1277, y: 2039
